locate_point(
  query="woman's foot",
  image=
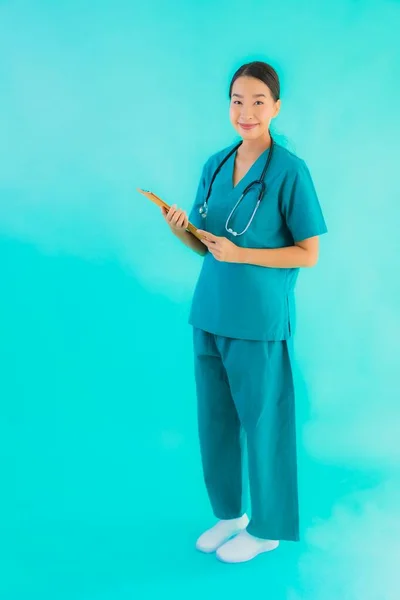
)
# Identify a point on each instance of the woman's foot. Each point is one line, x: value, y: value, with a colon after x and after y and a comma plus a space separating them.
x: 244, y: 547
x: 223, y: 531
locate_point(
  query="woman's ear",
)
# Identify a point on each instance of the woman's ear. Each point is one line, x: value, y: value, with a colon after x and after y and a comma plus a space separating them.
x: 277, y: 108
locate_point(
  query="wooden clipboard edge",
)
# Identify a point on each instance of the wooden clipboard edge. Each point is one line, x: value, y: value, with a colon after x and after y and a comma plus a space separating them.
x: 157, y: 200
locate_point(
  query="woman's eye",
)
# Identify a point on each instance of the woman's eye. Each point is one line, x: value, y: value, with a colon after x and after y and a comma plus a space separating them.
x: 238, y: 102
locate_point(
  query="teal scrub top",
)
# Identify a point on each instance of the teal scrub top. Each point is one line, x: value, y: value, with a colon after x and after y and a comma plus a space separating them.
x: 247, y: 301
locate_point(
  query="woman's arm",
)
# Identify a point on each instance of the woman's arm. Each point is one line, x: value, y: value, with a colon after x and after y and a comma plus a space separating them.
x: 191, y: 241
x: 302, y: 254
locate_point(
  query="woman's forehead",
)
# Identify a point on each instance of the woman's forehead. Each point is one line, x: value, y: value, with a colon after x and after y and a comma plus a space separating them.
x: 250, y: 86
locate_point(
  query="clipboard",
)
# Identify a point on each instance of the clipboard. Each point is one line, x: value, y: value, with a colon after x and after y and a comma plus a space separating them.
x: 157, y: 200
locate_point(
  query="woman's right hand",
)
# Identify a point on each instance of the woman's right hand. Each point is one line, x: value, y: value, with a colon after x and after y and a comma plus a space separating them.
x: 177, y: 219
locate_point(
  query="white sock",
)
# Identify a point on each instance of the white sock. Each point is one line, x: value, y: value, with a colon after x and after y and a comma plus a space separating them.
x: 223, y: 531
x: 244, y: 547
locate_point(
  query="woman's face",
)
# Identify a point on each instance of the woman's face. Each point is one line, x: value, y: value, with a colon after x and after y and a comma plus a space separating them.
x: 252, y: 104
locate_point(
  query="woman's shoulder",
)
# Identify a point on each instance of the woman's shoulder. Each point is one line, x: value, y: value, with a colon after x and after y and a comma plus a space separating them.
x: 288, y: 159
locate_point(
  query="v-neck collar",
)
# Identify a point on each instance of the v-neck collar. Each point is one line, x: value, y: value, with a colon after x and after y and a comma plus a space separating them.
x: 242, y: 182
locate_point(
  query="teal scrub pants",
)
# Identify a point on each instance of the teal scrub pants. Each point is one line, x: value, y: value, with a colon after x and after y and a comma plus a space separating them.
x: 246, y: 422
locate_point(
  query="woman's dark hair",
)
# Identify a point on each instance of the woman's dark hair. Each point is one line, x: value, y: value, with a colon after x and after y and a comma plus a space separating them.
x: 262, y: 71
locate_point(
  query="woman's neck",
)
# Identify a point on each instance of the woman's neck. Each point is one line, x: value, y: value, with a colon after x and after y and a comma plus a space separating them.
x: 251, y: 149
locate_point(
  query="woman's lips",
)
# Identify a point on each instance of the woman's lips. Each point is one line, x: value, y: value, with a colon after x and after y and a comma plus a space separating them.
x: 243, y: 126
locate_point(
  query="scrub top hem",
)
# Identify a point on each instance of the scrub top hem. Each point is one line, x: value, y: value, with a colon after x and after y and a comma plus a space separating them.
x: 241, y: 335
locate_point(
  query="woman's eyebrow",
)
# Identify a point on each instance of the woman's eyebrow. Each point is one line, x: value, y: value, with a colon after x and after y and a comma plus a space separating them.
x: 254, y: 95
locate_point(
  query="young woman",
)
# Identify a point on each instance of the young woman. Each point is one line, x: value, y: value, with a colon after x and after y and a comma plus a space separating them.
x: 259, y: 218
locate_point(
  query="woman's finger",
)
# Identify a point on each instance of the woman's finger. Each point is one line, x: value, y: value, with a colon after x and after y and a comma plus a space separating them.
x: 211, y: 237
x: 211, y: 240
x: 176, y: 217
x: 176, y: 212
x: 181, y: 220
x: 171, y: 213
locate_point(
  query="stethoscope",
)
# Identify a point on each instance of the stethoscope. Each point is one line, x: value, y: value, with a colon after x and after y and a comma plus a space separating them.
x: 204, y: 209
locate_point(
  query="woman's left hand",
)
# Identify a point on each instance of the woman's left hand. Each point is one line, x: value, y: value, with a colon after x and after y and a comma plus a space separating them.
x: 220, y: 247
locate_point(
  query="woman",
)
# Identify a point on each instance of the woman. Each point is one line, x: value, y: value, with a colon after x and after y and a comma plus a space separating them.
x: 243, y: 318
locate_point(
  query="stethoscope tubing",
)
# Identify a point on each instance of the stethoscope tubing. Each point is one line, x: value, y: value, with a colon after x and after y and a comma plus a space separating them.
x: 204, y: 208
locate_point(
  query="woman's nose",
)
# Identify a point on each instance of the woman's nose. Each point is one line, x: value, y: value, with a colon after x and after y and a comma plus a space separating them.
x: 246, y: 113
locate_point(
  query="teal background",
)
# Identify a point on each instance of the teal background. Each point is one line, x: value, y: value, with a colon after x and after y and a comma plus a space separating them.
x: 101, y: 488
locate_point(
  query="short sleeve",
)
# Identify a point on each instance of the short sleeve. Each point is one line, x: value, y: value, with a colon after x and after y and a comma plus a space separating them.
x: 194, y: 216
x: 300, y: 205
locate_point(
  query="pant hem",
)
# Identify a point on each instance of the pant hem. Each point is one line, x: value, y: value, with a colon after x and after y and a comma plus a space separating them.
x: 266, y: 534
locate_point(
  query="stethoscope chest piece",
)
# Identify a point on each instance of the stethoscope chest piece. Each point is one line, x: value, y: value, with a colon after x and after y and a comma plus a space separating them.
x: 203, y: 210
